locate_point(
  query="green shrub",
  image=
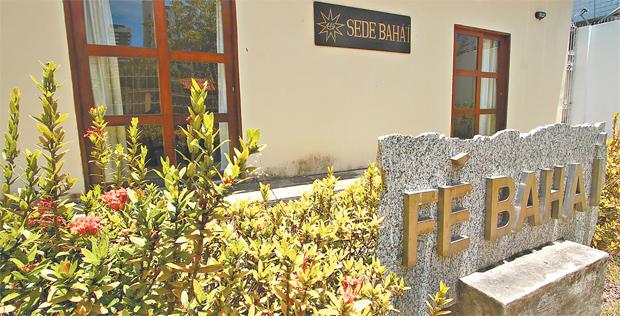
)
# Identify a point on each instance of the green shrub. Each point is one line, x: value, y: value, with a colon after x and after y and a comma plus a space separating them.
x: 131, y: 247
x: 438, y: 302
x: 607, y: 234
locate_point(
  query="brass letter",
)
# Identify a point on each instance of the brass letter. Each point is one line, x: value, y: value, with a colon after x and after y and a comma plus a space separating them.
x: 460, y: 160
x: 365, y: 29
x: 527, y: 192
x: 350, y: 27
x: 552, y: 195
x: 495, y: 207
x: 596, y: 185
x: 381, y: 31
x: 408, y: 34
x: 358, y: 28
x: 373, y: 29
x: 395, y: 33
x: 575, y: 194
x: 447, y: 218
x: 413, y: 226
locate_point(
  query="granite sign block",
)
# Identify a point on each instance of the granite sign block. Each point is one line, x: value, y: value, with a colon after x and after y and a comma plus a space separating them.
x: 452, y: 207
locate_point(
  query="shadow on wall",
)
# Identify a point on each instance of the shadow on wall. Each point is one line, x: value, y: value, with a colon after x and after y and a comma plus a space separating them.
x: 310, y: 164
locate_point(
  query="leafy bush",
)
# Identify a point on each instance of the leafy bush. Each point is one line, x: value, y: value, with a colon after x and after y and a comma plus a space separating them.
x: 607, y: 234
x: 438, y: 302
x: 131, y: 247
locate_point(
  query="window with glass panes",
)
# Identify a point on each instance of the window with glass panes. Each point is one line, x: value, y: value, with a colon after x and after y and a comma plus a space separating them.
x: 479, y: 81
x: 138, y: 57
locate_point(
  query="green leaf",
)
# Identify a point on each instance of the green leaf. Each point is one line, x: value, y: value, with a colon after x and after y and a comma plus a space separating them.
x: 6, y: 309
x: 210, y: 268
x: 185, y: 299
x: 200, y: 294
x: 49, y: 275
x: 361, y: 305
x: 328, y: 311
x: 90, y: 257
x: 80, y: 286
x: 9, y: 297
x: 138, y: 241
x: 45, y: 131
x: 175, y: 266
x: 16, y: 261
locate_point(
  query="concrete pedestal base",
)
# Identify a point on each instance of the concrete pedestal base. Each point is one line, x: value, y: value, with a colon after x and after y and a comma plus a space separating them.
x: 564, y: 278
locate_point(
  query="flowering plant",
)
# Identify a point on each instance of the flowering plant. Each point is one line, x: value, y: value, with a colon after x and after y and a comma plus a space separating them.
x: 132, y: 247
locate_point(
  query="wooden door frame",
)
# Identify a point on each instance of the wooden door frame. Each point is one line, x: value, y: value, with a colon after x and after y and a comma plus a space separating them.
x: 502, y: 76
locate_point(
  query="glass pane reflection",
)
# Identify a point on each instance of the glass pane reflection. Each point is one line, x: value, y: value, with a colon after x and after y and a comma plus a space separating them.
x: 120, y: 22
x: 195, y: 25
x: 181, y: 82
x: 127, y: 86
x: 487, y: 124
x: 463, y: 126
x: 464, y: 92
x: 466, y: 52
x: 490, y: 49
x: 488, y: 92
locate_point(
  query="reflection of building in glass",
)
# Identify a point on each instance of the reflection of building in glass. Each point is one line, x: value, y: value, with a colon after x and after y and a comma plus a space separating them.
x: 122, y: 34
x: 181, y: 79
x: 139, y: 85
x: 148, y: 27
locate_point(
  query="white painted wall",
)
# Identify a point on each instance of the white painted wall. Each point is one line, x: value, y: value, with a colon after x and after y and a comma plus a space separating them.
x: 597, y: 74
x: 319, y: 106
x: 33, y: 32
x: 322, y: 105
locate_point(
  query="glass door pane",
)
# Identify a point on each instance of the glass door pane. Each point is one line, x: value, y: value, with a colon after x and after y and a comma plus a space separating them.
x: 490, y: 50
x: 127, y: 86
x: 195, y: 25
x: 181, y: 75
x: 487, y: 124
x: 463, y: 126
x: 464, y: 92
x: 120, y: 22
x: 466, y: 52
x: 488, y: 92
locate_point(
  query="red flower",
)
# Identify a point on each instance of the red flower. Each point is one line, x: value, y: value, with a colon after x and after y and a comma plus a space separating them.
x: 93, y: 131
x: 85, y: 225
x: 352, y: 289
x: 46, y: 204
x: 43, y: 216
x: 188, y: 119
x: 115, y: 199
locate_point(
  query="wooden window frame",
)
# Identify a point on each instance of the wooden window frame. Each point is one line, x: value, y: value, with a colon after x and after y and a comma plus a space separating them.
x: 501, y: 76
x: 80, y: 51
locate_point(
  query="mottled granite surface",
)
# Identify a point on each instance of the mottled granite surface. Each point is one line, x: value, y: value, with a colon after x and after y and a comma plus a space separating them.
x: 423, y: 162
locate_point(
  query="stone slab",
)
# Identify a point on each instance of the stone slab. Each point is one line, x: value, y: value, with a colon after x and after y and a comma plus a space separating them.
x: 423, y: 162
x: 564, y: 278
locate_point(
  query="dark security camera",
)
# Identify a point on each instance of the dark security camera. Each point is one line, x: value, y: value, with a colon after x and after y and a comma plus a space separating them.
x: 540, y: 14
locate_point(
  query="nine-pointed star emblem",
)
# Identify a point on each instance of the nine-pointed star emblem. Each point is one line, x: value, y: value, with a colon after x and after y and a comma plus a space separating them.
x: 330, y: 25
